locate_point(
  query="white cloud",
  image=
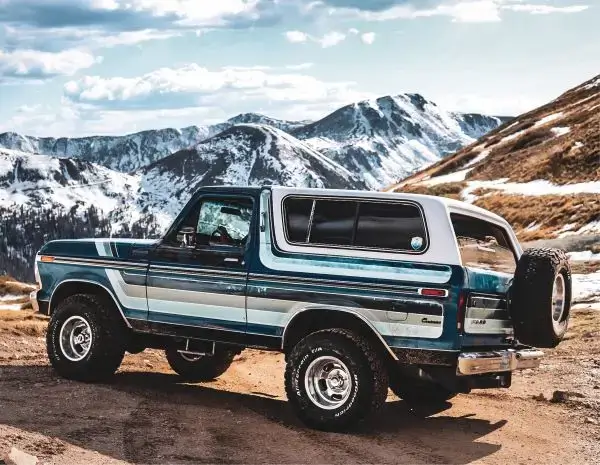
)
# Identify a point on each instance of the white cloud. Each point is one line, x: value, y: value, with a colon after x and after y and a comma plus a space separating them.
x: 331, y: 39
x: 499, y: 105
x: 547, y: 9
x: 466, y: 11
x: 296, y: 37
x: 368, y: 38
x: 194, y: 86
x: 36, y: 65
x: 353, y: 31
x: 300, y: 66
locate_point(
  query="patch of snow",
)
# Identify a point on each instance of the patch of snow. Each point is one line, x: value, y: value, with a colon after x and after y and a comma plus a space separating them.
x: 549, y: 118
x: 593, y: 84
x: 538, y: 187
x: 7, y: 297
x: 586, y: 287
x: 478, y: 158
x: 10, y: 307
x: 514, y: 136
x: 457, y: 176
x: 578, y: 145
x: 532, y: 227
x: 583, y: 256
x: 560, y: 131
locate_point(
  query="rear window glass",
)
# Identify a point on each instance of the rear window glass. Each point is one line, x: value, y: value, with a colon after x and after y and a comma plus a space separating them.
x: 483, y: 245
x: 397, y: 226
x: 390, y: 226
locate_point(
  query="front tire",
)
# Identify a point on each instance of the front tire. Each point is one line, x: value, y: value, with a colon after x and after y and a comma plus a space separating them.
x: 85, y: 341
x: 334, y: 379
x: 201, y: 367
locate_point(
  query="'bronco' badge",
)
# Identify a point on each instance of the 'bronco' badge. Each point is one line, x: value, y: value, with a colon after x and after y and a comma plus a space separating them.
x: 416, y: 242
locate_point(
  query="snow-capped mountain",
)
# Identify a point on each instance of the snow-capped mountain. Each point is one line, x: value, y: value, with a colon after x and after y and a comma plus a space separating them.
x: 243, y: 155
x: 383, y: 140
x: 120, y: 153
x: 132, y: 151
x: 388, y: 138
x: 41, y: 182
x: 541, y: 171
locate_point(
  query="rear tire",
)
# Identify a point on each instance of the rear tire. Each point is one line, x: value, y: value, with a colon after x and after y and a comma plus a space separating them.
x: 202, y: 367
x: 541, y: 297
x: 335, y: 379
x: 85, y: 338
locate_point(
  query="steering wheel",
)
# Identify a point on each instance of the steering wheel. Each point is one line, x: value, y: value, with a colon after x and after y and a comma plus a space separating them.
x: 221, y: 235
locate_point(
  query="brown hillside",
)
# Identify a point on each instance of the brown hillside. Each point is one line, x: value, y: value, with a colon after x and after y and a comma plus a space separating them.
x: 533, y: 147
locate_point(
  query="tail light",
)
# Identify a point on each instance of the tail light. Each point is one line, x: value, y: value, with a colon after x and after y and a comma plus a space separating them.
x: 462, y: 307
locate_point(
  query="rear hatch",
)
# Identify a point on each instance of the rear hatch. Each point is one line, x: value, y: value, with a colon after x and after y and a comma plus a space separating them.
x: 490, y: 261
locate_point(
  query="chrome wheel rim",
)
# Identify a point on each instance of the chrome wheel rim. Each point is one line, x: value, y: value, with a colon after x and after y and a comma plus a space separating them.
x: 189, y: 357
x: 558, y: 300
x: 75, y: 338
x: 328, y: 382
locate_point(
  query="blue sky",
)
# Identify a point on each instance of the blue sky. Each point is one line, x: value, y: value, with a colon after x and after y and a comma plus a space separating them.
x: 81, y: 67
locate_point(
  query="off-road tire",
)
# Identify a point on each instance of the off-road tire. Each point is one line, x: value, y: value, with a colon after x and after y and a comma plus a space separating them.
x: 108, y: 338
x: 531, y: 297
x: 419, y: 392
x: 205, y: 368
x: 367, y: 371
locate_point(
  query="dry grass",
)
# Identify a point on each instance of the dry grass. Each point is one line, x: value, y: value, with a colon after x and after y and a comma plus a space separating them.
x: 9, y: 285
x: 23, y: 323
x: 451, y: 190
x: 550, y: 212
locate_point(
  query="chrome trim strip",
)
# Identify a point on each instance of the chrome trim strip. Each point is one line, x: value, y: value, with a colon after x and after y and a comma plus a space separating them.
x: 100, y: 263
x: 383, y: 299
x: 325, y: 282
x: 205, y: 270
x: 364, y: 319
x: 89, y: 282
x: 475, y: 363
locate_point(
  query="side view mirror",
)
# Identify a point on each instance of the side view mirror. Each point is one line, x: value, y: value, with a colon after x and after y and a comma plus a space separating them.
x: 188, y: 234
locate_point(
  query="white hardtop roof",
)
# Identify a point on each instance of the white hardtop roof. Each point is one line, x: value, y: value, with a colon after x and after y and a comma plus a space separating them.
x: 455, y: 206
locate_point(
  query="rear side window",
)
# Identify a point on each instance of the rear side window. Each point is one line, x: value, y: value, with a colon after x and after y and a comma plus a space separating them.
x: 483, y: 245
x: 397, y: 226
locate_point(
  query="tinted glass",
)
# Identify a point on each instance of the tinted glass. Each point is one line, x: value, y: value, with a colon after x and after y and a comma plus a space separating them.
x: 297, y: 217
x: 390, y: 226
x: 483, y: 245
x: 333, y: 222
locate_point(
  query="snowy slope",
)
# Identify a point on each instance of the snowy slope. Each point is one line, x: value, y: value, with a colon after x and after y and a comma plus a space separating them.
x: 42, y: 182
x: 389, y: 138
x: 243, y: 155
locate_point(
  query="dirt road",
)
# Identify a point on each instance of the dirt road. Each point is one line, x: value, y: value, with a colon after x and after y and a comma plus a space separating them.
x: 147, y: 416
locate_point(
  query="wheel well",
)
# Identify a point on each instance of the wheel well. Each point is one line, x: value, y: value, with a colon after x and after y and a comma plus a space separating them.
x: 70, y: 288
x: 310, y: 321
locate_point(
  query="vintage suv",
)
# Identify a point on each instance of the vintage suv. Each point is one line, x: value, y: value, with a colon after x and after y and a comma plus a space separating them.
x: 360, y: 291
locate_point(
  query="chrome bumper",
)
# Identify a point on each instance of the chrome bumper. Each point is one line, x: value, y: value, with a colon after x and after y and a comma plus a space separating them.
x: 34, y: 301
x: 476, y: 363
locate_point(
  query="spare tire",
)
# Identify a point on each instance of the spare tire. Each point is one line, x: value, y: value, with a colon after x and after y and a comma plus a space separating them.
x: 541, y: 297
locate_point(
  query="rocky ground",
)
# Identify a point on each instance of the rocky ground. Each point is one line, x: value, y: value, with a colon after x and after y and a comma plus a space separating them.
x: 146, y: 415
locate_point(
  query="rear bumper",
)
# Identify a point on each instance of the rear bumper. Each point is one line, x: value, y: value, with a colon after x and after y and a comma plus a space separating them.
x: 497, y: 361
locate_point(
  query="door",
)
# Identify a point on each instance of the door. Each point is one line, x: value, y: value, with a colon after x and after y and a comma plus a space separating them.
x: 197, y: 275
